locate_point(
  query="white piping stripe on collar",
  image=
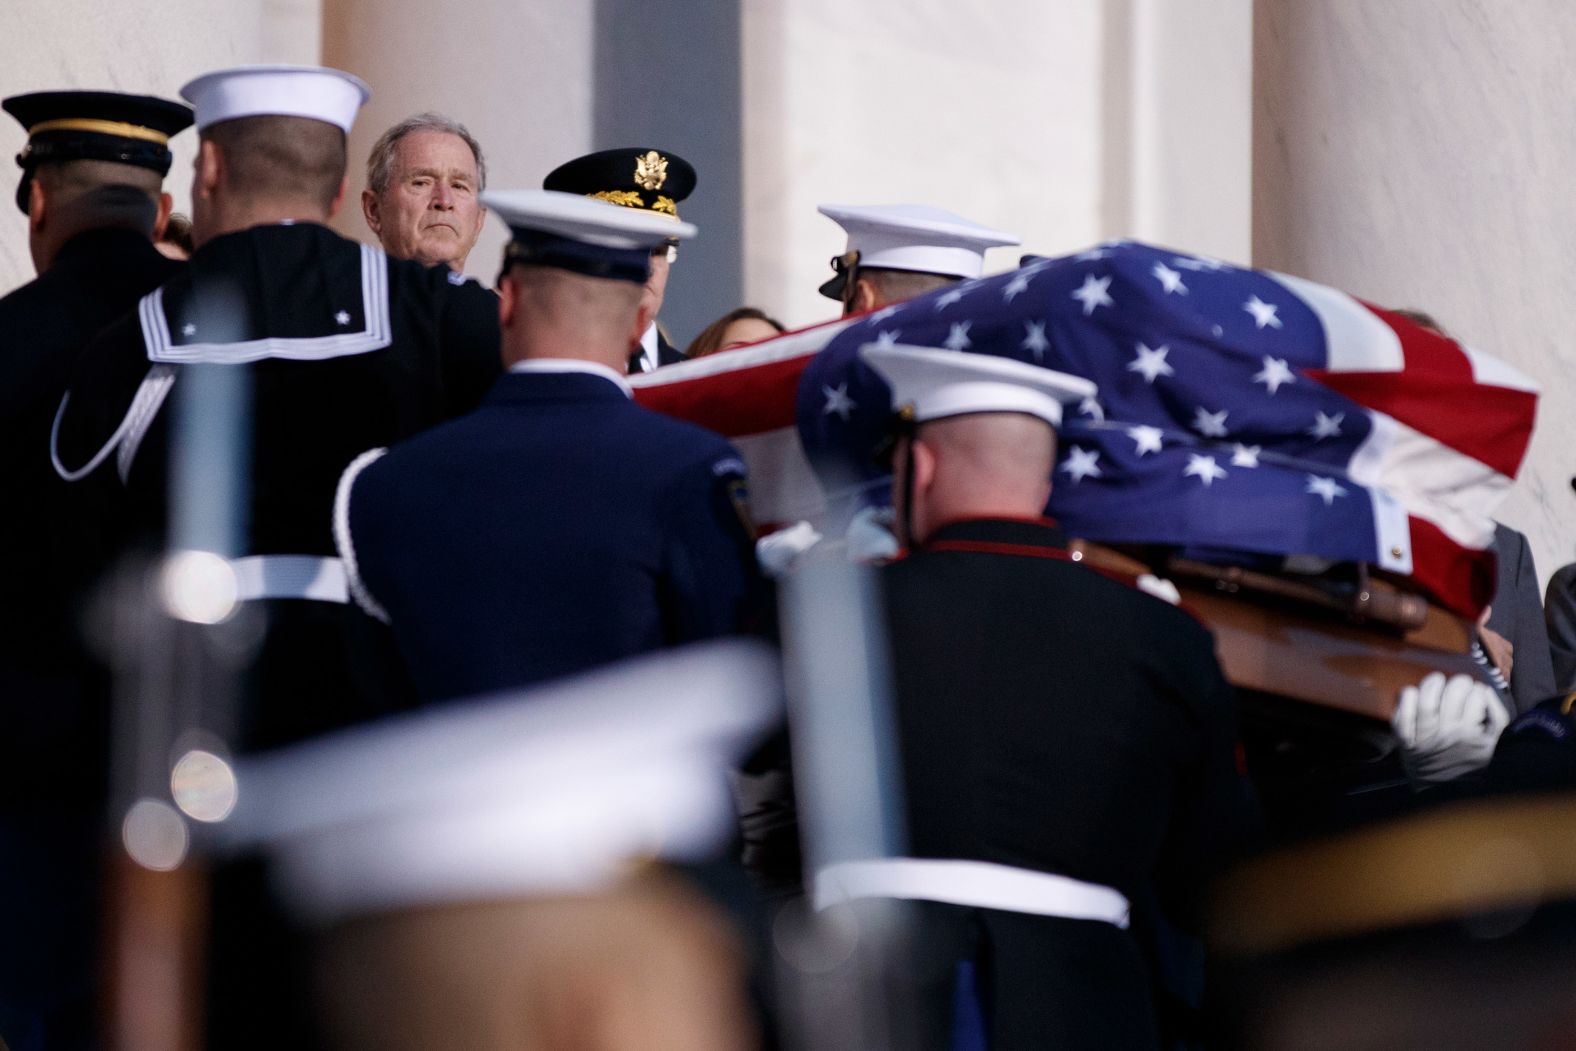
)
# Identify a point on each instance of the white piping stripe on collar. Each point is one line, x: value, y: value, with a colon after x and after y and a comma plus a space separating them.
x: 560, y: 365
x: 375, y: 336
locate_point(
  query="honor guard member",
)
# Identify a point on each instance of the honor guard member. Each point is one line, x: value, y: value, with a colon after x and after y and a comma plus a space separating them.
x: 526, y: 871
x: 91, y: 188
x: 561, y: 526
x: 650, y: 180
x: 898, y: 251
x: 1067, y: 746
x: 347, y: 349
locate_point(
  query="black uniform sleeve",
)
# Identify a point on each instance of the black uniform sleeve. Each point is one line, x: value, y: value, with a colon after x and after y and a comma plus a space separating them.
x: 712, y: 586
x: 96, y: 519
x: 469, y: 337
x: 1217, y: 814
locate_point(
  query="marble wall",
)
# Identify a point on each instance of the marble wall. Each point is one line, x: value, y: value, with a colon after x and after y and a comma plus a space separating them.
x: 893, y: 101
x: 516, y: 74
x: 1064, y: 121
x: 1419, y: 153
x: 148, y: 47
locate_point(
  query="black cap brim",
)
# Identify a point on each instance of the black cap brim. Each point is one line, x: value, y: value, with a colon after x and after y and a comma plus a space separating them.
x: 834, y: 288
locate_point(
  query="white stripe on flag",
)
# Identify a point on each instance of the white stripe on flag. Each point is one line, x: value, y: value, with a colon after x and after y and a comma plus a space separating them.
x: 1357, y: 339
x: 1493, y: 372
x: 791, y: 345
x: 1429, y: 480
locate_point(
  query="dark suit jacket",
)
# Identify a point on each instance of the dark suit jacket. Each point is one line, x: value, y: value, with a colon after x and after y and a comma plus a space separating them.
x: 1517, y: 614
x: 667, y: 353
x: 1559, y: 612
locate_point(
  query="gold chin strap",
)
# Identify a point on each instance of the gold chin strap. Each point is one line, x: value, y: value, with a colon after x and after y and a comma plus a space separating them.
x: 101, y: 127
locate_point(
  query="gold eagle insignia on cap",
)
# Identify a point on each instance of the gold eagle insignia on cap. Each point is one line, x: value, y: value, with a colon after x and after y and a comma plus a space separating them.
x: 651, y: 170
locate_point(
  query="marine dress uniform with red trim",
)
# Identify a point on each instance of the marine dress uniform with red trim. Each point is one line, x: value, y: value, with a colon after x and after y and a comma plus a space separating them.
x: 1068, y: 747
x: 1062, y: 722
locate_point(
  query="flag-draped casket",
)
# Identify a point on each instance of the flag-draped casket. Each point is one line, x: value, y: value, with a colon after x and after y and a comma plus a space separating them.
x: 1242, y: 415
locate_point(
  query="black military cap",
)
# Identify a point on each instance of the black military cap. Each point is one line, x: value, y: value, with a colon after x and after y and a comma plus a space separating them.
x: 634, y: 176
x: 94, y: 125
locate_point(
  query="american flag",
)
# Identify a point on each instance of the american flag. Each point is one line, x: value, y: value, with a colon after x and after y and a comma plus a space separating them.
x: 1240, y: 412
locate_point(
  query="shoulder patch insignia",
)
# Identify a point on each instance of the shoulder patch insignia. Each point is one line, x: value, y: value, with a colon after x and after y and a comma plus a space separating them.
x: 739, y: 497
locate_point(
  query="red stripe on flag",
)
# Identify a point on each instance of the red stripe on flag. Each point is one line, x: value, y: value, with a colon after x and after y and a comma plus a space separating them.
x: 1461, y: 578
x: 1427, y: 353
x: 1490, y: 424
x: 734, y: 403
x: 1435, y: 394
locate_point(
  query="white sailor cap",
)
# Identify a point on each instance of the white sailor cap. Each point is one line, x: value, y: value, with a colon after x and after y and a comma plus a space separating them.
x: 316, y: 92
x: 909, y: 237
x: 588, y: 236
x: 929, y: 384
x: 556, y: 790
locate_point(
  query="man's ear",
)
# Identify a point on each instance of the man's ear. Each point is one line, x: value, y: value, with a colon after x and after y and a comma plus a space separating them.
x: 864, y: 297
x: 36, y: 205
x: 924, y: 456
x: 210, y: 169
x: 508, y: 301
x: 643, y: 317
x: 369, y: 211
x: 339, y: 198
x: 160, y: 220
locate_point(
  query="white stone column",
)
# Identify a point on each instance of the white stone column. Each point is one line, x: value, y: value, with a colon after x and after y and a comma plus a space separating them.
x: 146, y: 47
x: 1178, y: 123
x: 1065, y: 121
x: 989, y: 110
x: 519, y: 76
x: 1419, y: 153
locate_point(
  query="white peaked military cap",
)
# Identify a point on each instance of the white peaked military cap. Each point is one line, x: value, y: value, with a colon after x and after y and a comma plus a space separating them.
x: 316, y: 92
x: 929, y: 384
x: 553, y: 790
x: 911, y: 237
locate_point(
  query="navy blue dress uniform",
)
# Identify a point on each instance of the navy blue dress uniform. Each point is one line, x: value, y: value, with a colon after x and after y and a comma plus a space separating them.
x: 1068, y: 748
x: 347, y: 349
x: 640, y: 177
x: 560, y: 526
x: 53, y: 707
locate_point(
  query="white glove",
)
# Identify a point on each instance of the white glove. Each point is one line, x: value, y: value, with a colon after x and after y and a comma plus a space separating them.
x: 869, y: 537
x: 779, y: 553
x: 1447, y: 728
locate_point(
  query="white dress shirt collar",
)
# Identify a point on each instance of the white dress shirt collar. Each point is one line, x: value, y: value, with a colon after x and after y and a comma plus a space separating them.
x: 591, y: 368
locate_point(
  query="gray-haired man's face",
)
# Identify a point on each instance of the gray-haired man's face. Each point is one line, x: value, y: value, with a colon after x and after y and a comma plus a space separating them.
x: 430, y: 210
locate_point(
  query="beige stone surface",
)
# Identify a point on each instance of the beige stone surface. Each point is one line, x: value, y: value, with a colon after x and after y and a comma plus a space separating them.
x: 148, y: 47
x: 1064, y: 121
x: 1419, y: 153
x: 517, y: 75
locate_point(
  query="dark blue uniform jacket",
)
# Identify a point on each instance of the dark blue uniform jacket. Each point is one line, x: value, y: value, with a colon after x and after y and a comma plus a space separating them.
x: 557, y: 528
